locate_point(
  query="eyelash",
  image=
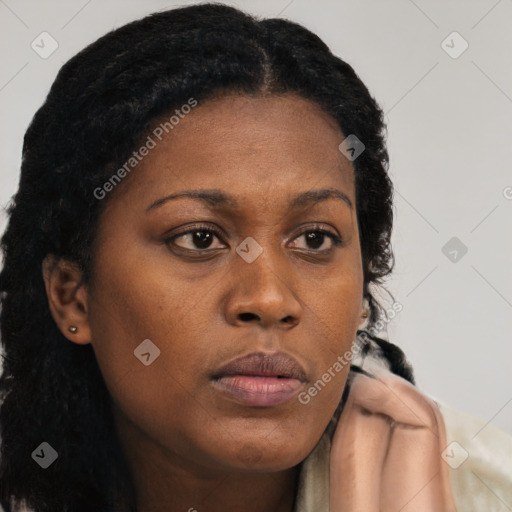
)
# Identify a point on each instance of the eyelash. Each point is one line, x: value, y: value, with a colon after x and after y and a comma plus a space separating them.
x: 336, y: 240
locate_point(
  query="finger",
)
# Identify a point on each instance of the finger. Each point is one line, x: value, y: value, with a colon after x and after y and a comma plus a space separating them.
x: 411, y: 478
x: 413, y: 475
x: 393, y: 396
x: 414, y: 472
x: 358, y: 451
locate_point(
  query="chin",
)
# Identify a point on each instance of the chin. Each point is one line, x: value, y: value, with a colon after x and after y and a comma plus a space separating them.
x: 263, y: 457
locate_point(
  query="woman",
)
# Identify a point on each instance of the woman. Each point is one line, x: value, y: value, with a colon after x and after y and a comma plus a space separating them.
x: 203, y: 214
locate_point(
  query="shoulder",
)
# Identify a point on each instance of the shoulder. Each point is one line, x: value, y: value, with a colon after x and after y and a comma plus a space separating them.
x: 480, y: 460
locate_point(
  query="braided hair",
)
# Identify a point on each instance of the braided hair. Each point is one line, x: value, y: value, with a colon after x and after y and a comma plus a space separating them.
x: 102, y: 103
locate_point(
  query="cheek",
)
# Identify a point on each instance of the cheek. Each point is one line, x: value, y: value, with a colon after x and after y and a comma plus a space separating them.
x: 142, y: 331
x: 334, y: 315
x: 338, y: 304
x: 338, y: 308
x: 144, y: 341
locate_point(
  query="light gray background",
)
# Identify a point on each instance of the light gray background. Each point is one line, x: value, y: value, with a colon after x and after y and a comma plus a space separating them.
x: 450, y: 127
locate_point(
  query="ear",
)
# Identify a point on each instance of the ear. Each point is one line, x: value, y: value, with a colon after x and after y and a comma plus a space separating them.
x: 67, y: 298
x: 364, y: 315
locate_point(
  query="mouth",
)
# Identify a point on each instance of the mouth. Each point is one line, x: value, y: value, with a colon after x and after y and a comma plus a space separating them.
x: 260, y: 379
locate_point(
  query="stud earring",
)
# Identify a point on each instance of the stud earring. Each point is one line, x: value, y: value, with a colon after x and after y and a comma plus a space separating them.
x: 72, y: 329
x: 364, y: 314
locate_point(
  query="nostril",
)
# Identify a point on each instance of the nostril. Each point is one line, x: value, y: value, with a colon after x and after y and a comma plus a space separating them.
x: 247, y: 316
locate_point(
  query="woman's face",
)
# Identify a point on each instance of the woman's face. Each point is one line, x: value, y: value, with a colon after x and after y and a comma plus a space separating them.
x: 209, y: 296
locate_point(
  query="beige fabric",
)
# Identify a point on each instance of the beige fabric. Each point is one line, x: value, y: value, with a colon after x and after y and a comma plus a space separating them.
x: 481, y: 483
x: 313, y: 491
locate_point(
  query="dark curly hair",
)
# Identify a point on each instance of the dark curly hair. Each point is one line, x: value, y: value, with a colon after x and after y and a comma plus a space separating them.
x: 102, y: 103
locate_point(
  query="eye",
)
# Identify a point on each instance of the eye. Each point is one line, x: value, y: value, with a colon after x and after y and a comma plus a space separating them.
x: 201, y: 238
x: 318, y: 238
x: 198, y: 239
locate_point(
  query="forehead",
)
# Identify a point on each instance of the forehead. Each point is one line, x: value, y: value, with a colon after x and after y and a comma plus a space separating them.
x: 256, y: 148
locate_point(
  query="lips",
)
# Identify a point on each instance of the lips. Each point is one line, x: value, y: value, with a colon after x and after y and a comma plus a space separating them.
x: 260, y: 379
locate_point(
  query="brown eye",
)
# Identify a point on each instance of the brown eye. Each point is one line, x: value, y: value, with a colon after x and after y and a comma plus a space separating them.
x: 200, y: 239
x: 196, y: 239
x: 319, y: 240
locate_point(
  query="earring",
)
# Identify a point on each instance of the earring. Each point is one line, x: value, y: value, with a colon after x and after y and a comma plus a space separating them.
x: 72, y: 329
x: 364, y: 314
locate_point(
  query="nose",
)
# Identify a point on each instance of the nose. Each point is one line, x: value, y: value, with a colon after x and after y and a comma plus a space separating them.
x: 263, y: 294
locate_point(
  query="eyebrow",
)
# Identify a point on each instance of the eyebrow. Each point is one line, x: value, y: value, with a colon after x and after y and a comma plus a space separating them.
x: 218, y: 199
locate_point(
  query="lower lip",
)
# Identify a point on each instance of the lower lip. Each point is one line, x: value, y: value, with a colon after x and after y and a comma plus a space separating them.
x: 259, y: 391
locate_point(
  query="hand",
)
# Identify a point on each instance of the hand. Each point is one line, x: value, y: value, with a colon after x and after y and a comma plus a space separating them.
x: 386, y: 450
